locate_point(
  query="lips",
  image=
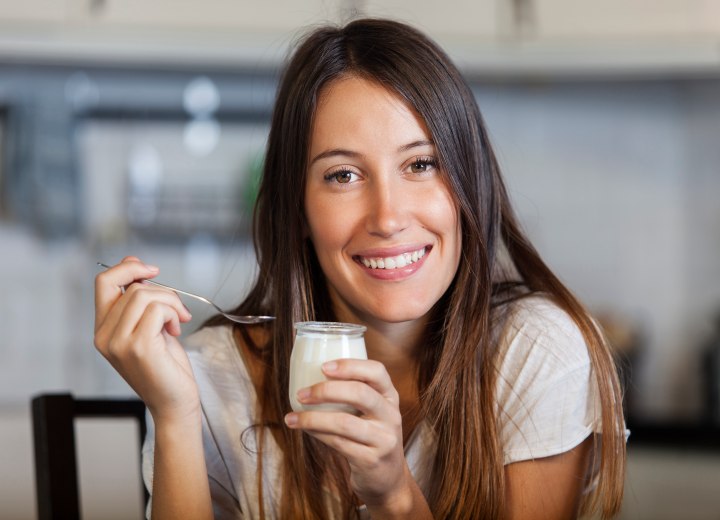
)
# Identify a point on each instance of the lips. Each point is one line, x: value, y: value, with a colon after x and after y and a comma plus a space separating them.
x: 399, y: 261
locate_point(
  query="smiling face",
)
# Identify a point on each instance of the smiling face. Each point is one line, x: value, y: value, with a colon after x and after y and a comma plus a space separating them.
x: 382, y: 221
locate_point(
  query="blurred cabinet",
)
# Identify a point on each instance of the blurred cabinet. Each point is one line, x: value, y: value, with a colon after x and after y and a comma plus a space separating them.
x: 578, y: 20
x: 32, y: 11
x: 255, y: 15
x: 636, y: 19
x: 463, y: 20
x: 251, y: 15
x: 458, y: 19
x: 498, y: 36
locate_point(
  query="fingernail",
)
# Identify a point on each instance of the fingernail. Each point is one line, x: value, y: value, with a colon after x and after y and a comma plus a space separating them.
x: 153, y: 268
x: 330, y: 366
x: 291, y: 419
x: 303, y: 394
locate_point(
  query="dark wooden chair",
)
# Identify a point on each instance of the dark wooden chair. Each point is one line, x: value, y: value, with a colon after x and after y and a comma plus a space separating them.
x: 56, y: 474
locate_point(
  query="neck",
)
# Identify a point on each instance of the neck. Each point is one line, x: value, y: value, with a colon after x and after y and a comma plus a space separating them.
x: 395, y: 345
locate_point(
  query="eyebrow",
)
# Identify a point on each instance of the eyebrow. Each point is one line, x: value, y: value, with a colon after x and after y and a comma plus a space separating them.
x: 349, y: 153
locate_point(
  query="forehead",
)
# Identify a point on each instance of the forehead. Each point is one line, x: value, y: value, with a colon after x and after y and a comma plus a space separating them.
x: 356, y: 106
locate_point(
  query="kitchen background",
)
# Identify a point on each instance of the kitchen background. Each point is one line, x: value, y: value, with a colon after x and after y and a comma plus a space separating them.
x: 137, y: 127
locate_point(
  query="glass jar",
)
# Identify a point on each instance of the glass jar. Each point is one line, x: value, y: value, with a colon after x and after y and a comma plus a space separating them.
x: 317, y: 342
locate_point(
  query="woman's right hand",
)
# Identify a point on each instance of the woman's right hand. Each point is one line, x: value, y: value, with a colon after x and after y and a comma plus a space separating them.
x: 136, y: 329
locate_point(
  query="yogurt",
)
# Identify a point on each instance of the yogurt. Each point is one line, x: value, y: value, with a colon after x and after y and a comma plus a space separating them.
x: 316, y: 343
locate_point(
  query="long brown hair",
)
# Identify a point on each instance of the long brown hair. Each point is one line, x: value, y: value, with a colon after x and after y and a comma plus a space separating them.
x: 457, y: 371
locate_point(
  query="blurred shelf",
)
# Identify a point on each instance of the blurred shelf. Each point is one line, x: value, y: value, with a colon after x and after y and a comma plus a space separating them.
x: 692, y: 436
x: 483, y: 58
x: 142, y: 47
x: 591, y: 59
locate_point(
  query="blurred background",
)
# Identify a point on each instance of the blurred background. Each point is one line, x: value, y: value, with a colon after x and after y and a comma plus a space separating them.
x: 138, y: 127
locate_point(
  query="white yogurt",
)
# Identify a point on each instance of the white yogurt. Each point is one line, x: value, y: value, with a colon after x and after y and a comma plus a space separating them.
x: 315, y: 344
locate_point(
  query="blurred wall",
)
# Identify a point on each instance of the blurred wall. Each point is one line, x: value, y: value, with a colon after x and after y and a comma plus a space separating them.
x: 615, y: 183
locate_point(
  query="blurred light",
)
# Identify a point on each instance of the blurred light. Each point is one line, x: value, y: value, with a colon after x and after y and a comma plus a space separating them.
x: 145, y: 169
x: 201, y: 136
x: 201, y: 264
x: 145, y: 173
x: 201, y: 97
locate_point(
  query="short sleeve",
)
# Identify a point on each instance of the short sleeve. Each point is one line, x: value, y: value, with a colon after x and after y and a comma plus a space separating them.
x: 546, y: 393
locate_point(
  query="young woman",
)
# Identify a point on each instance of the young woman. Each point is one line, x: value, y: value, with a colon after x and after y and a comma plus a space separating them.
x: 488, y: 386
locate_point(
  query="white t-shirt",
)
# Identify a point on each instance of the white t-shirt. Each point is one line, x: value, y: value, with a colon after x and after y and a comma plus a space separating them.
x: 546, y: 399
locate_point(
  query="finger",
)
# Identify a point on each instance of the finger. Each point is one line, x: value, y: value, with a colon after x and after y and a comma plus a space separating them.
x: 146, y: 331
x: 371, y: 372
x: 139, y: 293
x: 129, y: 310
x: 157, y: 319
x: 123, y: 317
x: 357, y: 394
x: 338, y: 424
x: 360, y: 440
x: 110, y: 284
x: 144, y: 352
x: 184, y: 316
x: 357, y: 454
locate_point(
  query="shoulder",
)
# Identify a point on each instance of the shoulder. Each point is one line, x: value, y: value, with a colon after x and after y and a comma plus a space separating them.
x: 210, y: 343
x: 545, y: 392
x: 213, y: 337
x: 536, y: 331
x: 215, y: 356
x: 226, y: 357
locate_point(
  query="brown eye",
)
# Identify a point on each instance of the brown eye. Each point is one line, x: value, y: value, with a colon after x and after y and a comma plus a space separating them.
x: 340, y: 177
x: 343, y: 177
x: 422, y: 165
x: 418, y: 167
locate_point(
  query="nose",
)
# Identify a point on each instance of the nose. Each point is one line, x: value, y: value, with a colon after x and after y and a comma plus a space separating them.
x: 388, y: 211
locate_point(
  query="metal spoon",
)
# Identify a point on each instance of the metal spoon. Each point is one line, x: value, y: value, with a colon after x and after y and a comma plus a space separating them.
x: 247, y: 320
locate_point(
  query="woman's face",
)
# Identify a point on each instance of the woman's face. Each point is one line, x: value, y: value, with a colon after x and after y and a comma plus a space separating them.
x: 382, y: 221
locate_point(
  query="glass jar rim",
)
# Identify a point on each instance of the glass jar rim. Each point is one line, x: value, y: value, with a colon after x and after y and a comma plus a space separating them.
x: 329, y: 327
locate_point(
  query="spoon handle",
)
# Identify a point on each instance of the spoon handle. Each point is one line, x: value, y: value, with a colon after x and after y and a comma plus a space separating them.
x: 151, y: 282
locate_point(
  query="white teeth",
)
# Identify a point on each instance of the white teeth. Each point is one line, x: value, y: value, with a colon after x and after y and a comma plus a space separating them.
x: 394, y: 262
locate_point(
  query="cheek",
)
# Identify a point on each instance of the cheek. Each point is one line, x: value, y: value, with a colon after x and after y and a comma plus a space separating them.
x: 324, y: 227
x: 443, y: 213
x: 446, y: 217
x: 312, y: 217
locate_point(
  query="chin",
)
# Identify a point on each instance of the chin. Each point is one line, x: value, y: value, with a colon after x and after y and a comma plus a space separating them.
x: 399, y: 313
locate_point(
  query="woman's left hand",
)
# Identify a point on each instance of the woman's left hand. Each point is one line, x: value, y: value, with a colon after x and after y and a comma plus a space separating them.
x: 372, y: 442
